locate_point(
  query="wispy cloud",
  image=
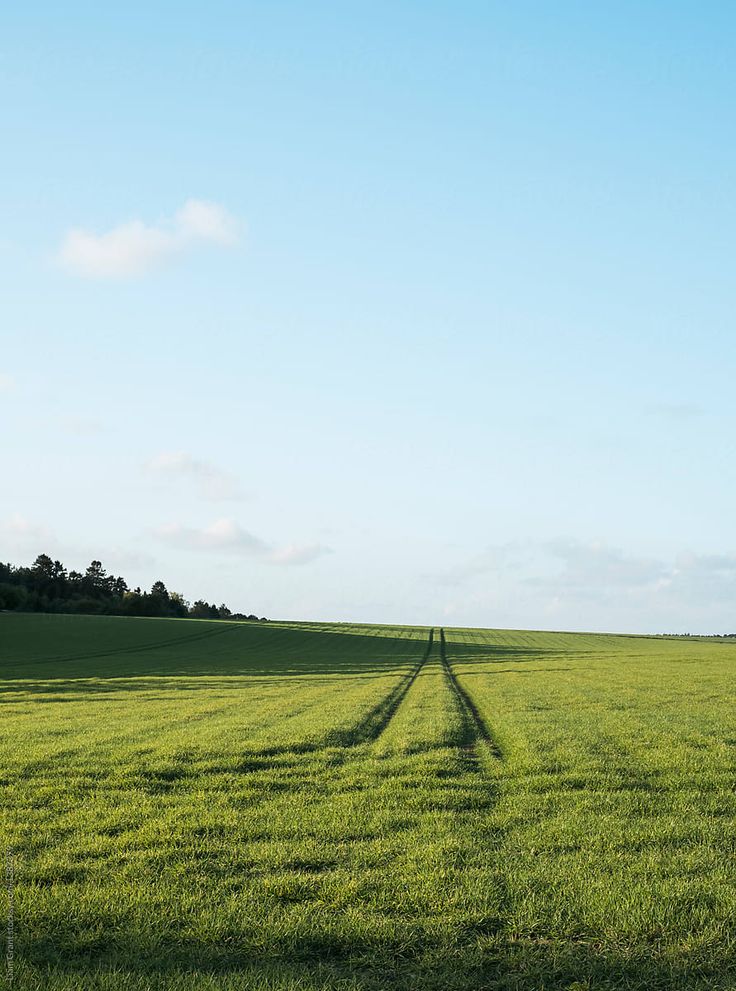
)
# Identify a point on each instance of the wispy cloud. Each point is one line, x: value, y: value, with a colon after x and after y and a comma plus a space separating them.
x: 590, y: 566
x: 212, y: 482
x: 559, y: 564
x: 82, y: 426
x: 595, y: 571
x: 228, y: 535
x: 491, y: 560
x: 675, y: 412
x: 7, y: 383
x: 221, y: 535
x: 134, y: 248
x: 298, y: 553
x: 18, y: 529
x: 26, y: 539
x: 583, y: 582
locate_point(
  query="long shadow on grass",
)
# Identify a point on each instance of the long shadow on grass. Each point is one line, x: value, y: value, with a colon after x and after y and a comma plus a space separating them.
x: 74, y: 690
x: 356, y: 810
x: 479, y: 959
x: 282, y: 927
x: 291, y: 654
x: 501, y: 652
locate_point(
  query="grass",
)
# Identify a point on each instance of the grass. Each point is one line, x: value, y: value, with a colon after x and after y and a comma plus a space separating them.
x: 205, y: 805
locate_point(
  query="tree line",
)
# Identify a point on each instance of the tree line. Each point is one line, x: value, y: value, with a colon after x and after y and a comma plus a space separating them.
x: 47, y: 586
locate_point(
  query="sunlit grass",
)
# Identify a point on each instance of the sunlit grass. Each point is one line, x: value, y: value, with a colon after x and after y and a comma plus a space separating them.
x: 208, y: 805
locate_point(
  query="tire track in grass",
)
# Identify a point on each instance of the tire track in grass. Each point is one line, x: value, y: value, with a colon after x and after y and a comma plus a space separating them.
x: 370, y: 727
x: 477, y: 732
x: 379, y: 718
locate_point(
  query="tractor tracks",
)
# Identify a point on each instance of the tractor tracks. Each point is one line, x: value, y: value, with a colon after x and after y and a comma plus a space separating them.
x: 477, y: 735
x: 378, y: 719
x: 476, y: 743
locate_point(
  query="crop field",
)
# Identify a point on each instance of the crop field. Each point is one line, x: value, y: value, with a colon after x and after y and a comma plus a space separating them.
x: 205, y: 806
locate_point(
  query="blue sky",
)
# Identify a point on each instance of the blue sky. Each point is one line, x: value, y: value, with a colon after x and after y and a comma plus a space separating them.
x: 402, y: 312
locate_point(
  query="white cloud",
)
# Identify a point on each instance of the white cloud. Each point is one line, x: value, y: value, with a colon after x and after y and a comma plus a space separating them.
x: 7, y: 383
x: 228, y: 535
x: 211, y: 481
x: 591, y: 585
x: 223, y: 534
x: 205, y: 221
x: 134, y: 248
x: 26, y: 539
x: 298, y: 553
x: 82, y: 426
x: 589, y: 566
x: 20, y: 529
x: 675, y: 411
x: 493, y: 560
x: 560, y: 564
x: 22, y: 539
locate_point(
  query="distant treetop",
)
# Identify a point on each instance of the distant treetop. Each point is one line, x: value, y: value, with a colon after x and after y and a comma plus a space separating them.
x: 47, y: 586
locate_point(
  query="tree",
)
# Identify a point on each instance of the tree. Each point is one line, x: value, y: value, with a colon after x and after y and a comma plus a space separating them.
x: 159, y: 591
x: 119, y: 587
x: 42, y: 574
x: 95, y: 577
x: 47, y: 586
x: 12, y: 596
x: 200, y: 610
x: 178, y: 604
x: 43, y: 566
x: 132, y: 604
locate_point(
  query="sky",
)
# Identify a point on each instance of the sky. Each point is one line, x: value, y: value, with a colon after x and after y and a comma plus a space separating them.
x: 404, y: 312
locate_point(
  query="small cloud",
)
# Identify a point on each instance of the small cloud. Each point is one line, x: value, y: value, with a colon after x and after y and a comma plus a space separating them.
x: 7, y: 383
x: 22, y: 536
x: 298, y: 553
x: 588, y: 566
x: 494, y: 559
x: 558, y: 566
x: 19, y: 526
x: 81, y: 425
x: 134, y: 248
x: 212, y: 482
x: 706, y: 563
x: 675, y: 411
x: 221, y: 535
x: 205, y: 221
x: 228, y: 535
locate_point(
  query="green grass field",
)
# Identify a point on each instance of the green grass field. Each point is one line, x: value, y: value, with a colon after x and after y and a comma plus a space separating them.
x: 204, y: 805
